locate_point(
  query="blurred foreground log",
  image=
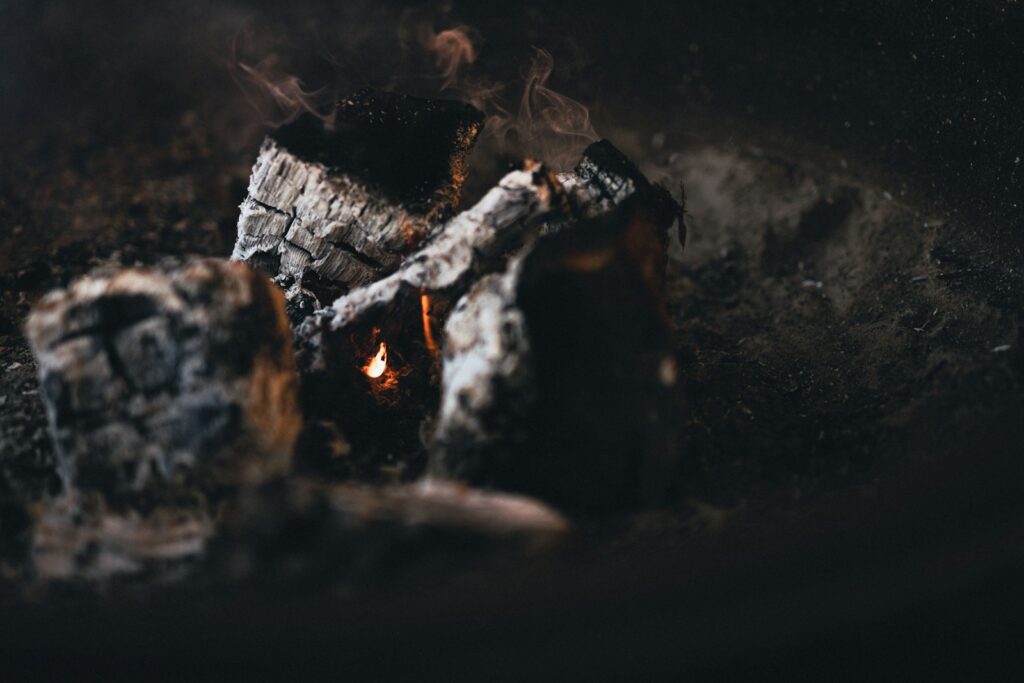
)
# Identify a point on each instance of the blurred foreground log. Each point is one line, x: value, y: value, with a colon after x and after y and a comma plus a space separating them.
x: 354, y: 531
x: 81, y: 537
x: 155, y: 378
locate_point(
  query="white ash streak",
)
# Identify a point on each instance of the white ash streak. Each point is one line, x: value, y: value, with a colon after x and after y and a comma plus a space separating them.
x: 520, y: 197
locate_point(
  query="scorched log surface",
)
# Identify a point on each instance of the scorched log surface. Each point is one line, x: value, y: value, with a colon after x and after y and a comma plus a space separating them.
x: 337, y: 204
x: 334, y: 344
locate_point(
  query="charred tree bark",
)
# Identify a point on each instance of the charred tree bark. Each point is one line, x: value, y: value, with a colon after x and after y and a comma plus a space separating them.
x: 337, y: 206
x: 558, y: 376
x: 156, y: 377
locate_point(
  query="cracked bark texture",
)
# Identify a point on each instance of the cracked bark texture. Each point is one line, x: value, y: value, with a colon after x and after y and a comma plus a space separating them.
x: 156, y: 378
x: 337, y: 205
x: 334, y: 343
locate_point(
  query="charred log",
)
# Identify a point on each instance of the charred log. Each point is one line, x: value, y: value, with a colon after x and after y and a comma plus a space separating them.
x: 157, y: 377
x: 603, y: 179
x: 401, y: 311
x: 337, y: 205
x: 558, y: 377
x: 83, y: 538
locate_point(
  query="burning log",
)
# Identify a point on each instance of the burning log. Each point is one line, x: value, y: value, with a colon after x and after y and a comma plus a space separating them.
x: 361, y: 359
x: 355, y: 531
x: 156, y: 377
x: 372, y: 353
x: 333, y: 206
x: 558, y: 375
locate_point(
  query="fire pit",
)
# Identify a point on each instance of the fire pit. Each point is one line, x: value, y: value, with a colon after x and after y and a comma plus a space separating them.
x: 723, y: 373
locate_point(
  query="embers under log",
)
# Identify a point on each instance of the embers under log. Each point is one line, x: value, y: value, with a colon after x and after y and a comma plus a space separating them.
x: 336, y: 205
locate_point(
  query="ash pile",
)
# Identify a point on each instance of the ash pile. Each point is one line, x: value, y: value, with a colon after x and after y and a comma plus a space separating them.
x: 371, y: 367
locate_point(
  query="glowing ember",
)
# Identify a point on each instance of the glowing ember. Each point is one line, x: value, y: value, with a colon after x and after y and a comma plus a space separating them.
x: 375, y: 368
x: 428, y: 335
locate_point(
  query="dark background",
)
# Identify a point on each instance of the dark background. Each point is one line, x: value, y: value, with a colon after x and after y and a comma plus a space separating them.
x: 921, y: 572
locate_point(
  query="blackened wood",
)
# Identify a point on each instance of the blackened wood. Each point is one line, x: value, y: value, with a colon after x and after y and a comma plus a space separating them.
x: 340, y: 203
x: 509, y: 216
x: 603, y: 179
x: 558, y: 376
x: 157, y: 377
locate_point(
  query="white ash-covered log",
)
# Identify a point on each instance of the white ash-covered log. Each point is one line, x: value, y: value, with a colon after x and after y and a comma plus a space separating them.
x: 558, y: 375
x: 369, y: 360
x: 337, y: 204
x: 160, y: 377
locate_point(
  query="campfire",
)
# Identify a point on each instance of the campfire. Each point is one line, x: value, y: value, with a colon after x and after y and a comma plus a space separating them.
x: 343, y: 335
x: 371, y: 347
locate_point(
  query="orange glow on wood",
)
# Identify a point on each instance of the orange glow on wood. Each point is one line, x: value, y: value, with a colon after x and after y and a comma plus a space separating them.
x: 428, y: 335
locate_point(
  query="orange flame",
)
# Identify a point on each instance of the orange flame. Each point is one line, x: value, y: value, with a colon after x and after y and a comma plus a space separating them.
x: 375, y: 368
x: 428, y: 335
